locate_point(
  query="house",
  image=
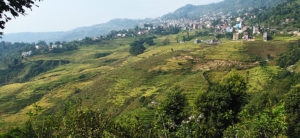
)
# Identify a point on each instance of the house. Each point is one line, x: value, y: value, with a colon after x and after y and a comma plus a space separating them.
x: 229, y: 29
x: 197, y: 41
x: 246, y: 36
x: 96, y: 38
x: 54, y: 46
x: 265, y: 36
x: 236, y: 36
x: 119, y: 35
x: 141, y: 33
x: 240, y: 31
x: 256, y: 30
x: 26, y: 54
x: 37, y: 47
x: 296, y: 33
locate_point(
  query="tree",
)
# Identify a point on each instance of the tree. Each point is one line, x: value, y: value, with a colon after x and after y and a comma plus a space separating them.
x: 219, y: 36
x: 166, y: 41
x: 14, y: 8
x: 267, y: 123
x: 137, y: 47
x: 292, y: 107
x: 170, y: 112
x: 221, y: 105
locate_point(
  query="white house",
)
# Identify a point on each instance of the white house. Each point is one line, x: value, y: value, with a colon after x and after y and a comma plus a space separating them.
x: 26, y: 54
x: 265, y: 37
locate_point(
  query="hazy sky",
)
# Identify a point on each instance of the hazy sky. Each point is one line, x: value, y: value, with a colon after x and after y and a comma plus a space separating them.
x: 63, y: 15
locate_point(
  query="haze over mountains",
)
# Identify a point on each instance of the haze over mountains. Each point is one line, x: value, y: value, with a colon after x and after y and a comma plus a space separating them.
x: 78, y: 33
x: 188, y: 11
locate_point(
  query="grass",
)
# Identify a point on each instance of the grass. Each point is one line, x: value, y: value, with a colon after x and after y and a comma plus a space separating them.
x: 263, y: 49
x: 234, y: 50
x: 105, y: 76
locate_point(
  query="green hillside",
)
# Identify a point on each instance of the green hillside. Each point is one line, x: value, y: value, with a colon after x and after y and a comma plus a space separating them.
x: 231, y: 7
x: 283, y: 16
x: 107, y: 78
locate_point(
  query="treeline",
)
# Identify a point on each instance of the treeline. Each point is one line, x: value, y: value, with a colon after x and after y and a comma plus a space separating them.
x: 11, y: 53
x: 225, y: 110
x: 21, y: 72
x: 159, y: 30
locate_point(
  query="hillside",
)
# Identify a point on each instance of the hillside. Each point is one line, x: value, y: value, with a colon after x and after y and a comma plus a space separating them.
x: 160, y: 81
x: 78, y: 33
x: 227, y: 7
x: 285, y: 15
x: 107, y: 78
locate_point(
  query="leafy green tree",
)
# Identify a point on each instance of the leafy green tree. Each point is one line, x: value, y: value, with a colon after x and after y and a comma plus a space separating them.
x: 221, y: 105
x: 292, y: 106
x: 166, y: 41
x: 85, y: 123
x: 170, y: 112
x: 13, y: 8
x: 289, y: 58
x: 148, y: 40
x: 268, y: 123
x: 137, y: 47
x: 219, y: 36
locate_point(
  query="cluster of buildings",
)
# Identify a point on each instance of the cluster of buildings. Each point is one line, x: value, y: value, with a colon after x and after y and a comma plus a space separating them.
x: 37, y: 47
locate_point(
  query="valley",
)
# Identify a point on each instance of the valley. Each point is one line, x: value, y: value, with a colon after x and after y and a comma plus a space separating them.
x: 191, y: 73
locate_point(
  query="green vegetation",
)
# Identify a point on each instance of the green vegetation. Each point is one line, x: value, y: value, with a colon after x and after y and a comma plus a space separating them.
x: 153, y: 86
x: 21, y: 72
x: 290, y: 58
x: 137, y: 47
x: 284, y: 15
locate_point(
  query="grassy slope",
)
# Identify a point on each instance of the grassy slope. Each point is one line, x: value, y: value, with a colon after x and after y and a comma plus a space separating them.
x: 118, y: 81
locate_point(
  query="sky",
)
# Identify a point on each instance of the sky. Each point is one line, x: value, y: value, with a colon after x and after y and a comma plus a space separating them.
x: 64, y: 15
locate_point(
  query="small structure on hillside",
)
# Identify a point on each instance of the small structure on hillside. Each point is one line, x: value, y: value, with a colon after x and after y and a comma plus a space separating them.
x: 37, y: 47
x: 296, y: 33
x: 236, y: 36
x: 246, y: 36
x: 197, y: 41
x: 119, y: 35
x: 26, y: 54
x: 229, y: 29
x: 256, y: 30
x: 213, y: 42
x: 265, y: 36
x: 154, y: 104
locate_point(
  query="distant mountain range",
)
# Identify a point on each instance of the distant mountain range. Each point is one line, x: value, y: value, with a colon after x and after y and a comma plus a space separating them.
x: 78, y: 33
x: 188, y: 11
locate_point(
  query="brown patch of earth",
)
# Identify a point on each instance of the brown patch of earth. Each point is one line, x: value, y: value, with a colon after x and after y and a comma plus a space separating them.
x: 215, y: 64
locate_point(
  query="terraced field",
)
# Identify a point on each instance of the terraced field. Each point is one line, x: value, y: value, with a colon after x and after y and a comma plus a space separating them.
x: 106, y: 76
